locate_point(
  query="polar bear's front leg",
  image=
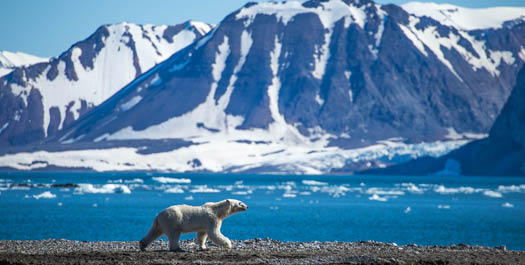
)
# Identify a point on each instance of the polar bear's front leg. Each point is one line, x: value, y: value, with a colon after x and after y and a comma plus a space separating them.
x: 201, y: 239
x: 219, y: 239
x: 173, y: 238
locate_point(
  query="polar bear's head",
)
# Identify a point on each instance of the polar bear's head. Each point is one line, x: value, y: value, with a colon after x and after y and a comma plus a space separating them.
x: 236, y: 206
x: 226, y: 208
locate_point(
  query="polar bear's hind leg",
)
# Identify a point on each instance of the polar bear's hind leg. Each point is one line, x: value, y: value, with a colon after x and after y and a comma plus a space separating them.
x: 153, y: 233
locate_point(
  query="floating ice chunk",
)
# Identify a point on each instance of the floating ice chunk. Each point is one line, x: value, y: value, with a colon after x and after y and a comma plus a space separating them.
x: 107, y: 188
x: 446, y: 207
x: 244, y: 192
x: 379, y: 191
x: 45, y: 195
x: 444, y: 190
x: 412, y: 188
x: 19, y: 188
x: 135, y: 180
x: 507, y: 205
x: 165, y: 180
x: 188, y: 198
x: 115, y: 181
x: 334, y: 191
x: 238, y: 182
x: 493, y: 194
x: 511, y: 188
x: 289, y: 195
x: 314, y: 182
x: 408, y: 209
x: 174, y: 190
x: 204, y: 189
x: 376, y: 197
x: 59, y: 204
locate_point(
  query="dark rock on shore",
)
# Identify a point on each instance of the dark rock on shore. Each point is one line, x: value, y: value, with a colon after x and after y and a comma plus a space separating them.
x: 253, y: 251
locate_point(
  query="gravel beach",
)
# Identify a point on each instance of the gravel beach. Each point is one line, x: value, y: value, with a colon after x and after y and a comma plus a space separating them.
x: 253, y: 251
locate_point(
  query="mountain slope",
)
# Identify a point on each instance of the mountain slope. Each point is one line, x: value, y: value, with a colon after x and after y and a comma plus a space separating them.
x: 307, y: 87
x: 501, y: 154
x: 41, y: 99
x: 10, y: 60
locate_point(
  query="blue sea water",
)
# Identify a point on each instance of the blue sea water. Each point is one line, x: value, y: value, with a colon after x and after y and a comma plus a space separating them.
x: 426, y: 210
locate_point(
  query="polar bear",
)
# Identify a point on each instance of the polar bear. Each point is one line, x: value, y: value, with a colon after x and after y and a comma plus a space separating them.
x: 206, y: 220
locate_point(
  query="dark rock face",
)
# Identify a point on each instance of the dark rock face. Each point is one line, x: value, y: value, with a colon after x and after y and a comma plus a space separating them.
x: 360, y: 80
x: 501, y: 154
x: 29, y: 108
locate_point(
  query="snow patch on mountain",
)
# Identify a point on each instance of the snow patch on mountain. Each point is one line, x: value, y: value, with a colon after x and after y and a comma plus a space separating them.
x: 273, y: 89
x: 453, y: 135
x: 329, y: 12
x: 130, y: 103
x: 202, y: 27
x: 430, y: 37
x: 466, y: 18
x: 10, y: 60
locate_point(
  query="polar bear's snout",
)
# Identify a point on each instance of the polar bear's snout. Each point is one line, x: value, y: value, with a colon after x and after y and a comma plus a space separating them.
x: 238, y: 206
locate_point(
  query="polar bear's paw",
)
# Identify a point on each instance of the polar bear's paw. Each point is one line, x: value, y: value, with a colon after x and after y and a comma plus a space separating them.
x: 142, y: 246
x: 179, y: 250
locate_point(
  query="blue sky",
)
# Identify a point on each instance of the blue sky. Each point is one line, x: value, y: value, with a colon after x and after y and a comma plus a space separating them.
x: 49, y: 27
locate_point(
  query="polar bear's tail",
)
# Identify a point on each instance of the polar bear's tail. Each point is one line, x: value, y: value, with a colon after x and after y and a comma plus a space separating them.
x: 153, y: 233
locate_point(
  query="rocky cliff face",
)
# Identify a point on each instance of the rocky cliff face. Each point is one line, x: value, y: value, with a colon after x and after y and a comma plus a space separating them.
x: 501, y: 154
x: 40, y: 99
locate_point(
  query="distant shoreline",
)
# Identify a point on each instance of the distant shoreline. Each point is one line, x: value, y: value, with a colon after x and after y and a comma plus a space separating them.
x: 258, y: 251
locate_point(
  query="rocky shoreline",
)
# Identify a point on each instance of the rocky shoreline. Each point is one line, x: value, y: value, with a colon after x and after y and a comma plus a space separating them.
x: 253, y: 251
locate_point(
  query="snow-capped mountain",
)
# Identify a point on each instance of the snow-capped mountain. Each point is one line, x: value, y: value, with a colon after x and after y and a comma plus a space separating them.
x: 316, y: 86
x: 11, y: 60
x: 40, y: 99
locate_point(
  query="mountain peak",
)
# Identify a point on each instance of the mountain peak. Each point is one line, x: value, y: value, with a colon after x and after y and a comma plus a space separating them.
x: 10, y: 60
x: 466, y: 18
x: 328, y: 11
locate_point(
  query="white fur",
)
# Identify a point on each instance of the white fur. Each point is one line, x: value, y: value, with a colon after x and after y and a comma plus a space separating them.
x: 206, y: 220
